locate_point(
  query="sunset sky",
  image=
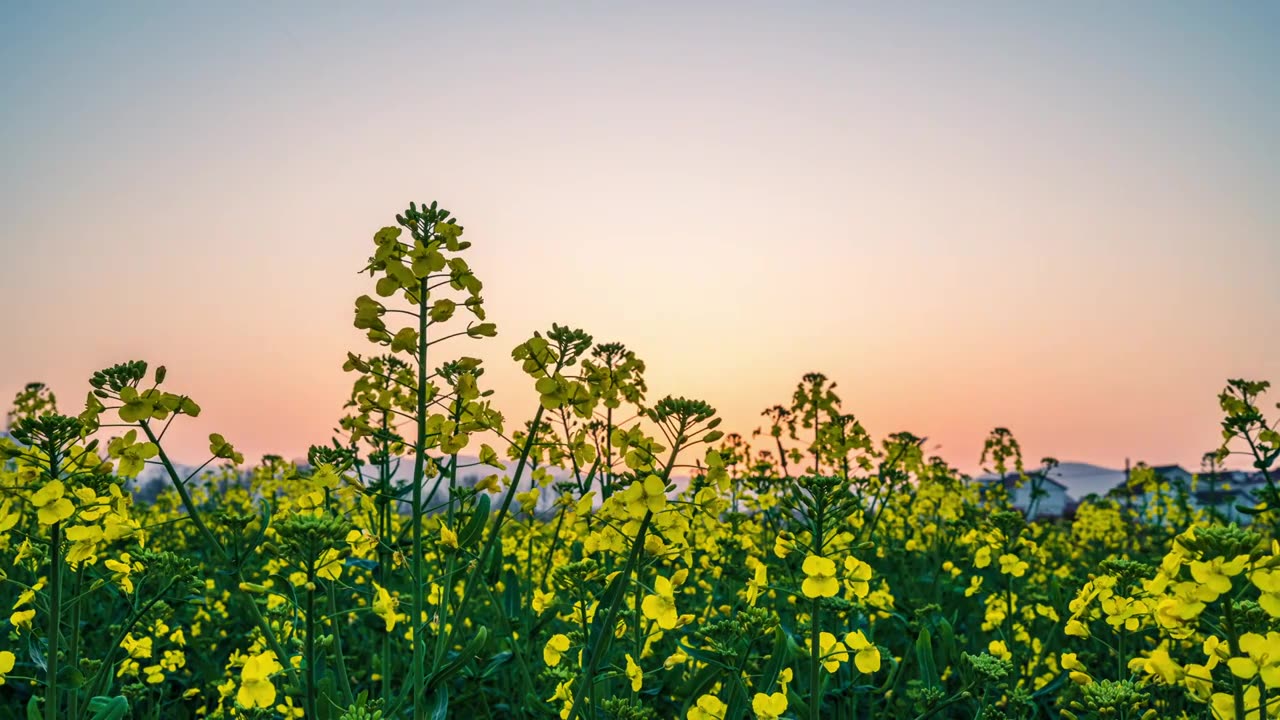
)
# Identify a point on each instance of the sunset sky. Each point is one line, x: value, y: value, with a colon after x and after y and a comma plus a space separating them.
x: 1066, y: 222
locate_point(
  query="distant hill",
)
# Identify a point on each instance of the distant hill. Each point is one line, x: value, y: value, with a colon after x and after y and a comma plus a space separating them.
x: 1082, y: 479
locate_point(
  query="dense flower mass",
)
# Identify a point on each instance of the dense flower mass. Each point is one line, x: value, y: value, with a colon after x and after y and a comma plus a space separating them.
x: 612, y: 556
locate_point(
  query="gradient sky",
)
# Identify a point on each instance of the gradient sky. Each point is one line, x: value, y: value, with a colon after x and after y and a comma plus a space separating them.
x: 1065, y: 221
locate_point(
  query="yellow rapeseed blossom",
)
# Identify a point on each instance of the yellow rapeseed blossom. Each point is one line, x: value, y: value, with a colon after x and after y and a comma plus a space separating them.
x: 707, y: 707
x: 770, y: 706
x: 52, y: 505
x: 820, y: 577
x: 556, y: 646
x: 661, y: 605
x: 644, y: 496
x: 384, y: 606
x: 634, y: 674
x: 256, y: 689
x: 866, y: 657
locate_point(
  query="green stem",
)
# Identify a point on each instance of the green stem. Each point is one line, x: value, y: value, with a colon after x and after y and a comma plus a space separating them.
x: 419, y: 463
x: 309, y: 701
x: 385, y: 530
x: 815, y: 629
x: 815, y: 679
x: 1237, y: 689
x: 55, y: 621
x: 73, y: 648
x: 339, y: 657
x: 449, y: 568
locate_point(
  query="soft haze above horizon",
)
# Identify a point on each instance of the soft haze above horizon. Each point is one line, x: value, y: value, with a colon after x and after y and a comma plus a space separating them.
x: 1062, y: 221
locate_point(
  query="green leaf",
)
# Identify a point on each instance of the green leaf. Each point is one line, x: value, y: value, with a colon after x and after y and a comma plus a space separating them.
x: 495, y: 564
x: 777, y: 659
x: 947, y: 643
x: 453, y: 667
x: 1052, y: 688
x: 924, y: 656
x: 33, y: 708
x: 105, y: 708
x: 475, y: 525
x: 70, y: 677
x: 495, y: 663
x: 438, y: 702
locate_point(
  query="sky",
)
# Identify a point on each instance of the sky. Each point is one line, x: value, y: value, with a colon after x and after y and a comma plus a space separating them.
x: 1060, y: 220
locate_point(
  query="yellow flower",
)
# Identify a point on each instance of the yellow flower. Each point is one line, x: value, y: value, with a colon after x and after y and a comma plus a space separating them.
x: 783, y: 544
x: 866, y: 656
x: 140, y: 649
x: 759, y: 579
x: 1215, y: 576
x: 1262, y: 658
x: 362, y: 542
x: 1075, y: 628
x: 329, y: 565
x: 22, y: 618
x: 1176, y: 613
x: 529, y: 500
x: 982, y: 558
x: 1215, y: 651
x: 857, y: 575
x: 384, y: 606
x: 1076, y: 670
x: 635, y: 674
x: 121, y: 570
x: 708, y: 707
x: 1159, y: 665
x: 661, y: 606
x: 491, y: 483
x: 9, y: 516
x: 220, y: 448
x: 999, y: 649
x: 1011, y: 564
x: 648, y: 495
x: 141, y: 406
x: 1198, y: 680
x: 7, y: 661
x: 832, y: 652
x: 448, y: 537
x: 769, y: 707
x: 53, y: 507
x: 1123, y: 611
x: 289, y: 710
x: 256, y: 689
x: 1224, y: 705
x: 820, y: 580
x: 556, y: 646
x: 676, y: 658
x: 975, y: 584
x: 564, y: 693
x: 84, y: 544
